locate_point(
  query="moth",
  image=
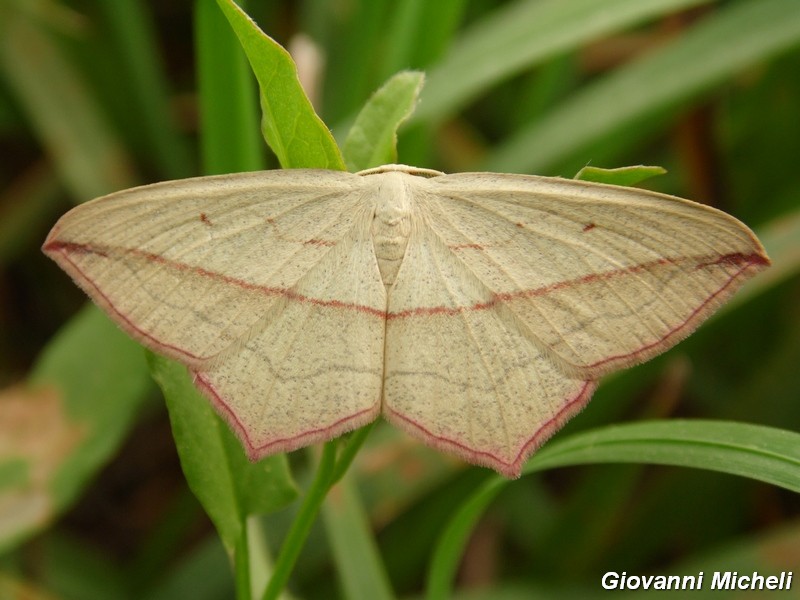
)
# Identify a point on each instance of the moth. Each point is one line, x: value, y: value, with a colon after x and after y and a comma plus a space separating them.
x: 476, y: 311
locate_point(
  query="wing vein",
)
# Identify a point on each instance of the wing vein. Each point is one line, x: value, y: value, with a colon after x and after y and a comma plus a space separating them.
x: 479, y: 347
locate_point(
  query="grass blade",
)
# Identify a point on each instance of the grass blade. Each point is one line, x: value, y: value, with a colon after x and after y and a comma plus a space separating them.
x: 228, y: 108
x: 693, y: 63
x: 762, y: 453
x: 525, y: 33
x: 59, y: 104
x: 132, y: 31
x: 353, y: 546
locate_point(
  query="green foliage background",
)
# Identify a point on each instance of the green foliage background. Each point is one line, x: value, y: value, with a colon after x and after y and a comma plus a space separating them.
x: 97, y: 96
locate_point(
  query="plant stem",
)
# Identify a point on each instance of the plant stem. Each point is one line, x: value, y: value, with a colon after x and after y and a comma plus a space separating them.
x: 260, y: 560
x: 301, y: 526
x: 329, y: 471
x: 241, y: 565
x: 349, y: 451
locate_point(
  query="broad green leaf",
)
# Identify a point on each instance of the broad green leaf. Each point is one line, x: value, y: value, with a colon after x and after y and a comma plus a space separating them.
x: 620, y: 176
x: 82, y: 398
x: 230, y: 142
x: 762, y: 453
x: 230, y: 488
x: 297, y: 136
x: 227, y: 484
x: 372, y: 140
x: 522, y: 34
x: 696, y: 61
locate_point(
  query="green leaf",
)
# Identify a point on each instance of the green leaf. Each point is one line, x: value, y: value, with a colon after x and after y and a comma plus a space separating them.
x: 448, y: 551
x: 355, y: 39
x: 297, y: 136
x: 132, y: 33
x: 521, y: 35
x: 419, y: 32
x: 627, y: 176
x: 372, y: 140
x: 228, y: 485
x: 82, y: 398
x: 695, y: 62
x: 761, y: 453
x: 353, y: 546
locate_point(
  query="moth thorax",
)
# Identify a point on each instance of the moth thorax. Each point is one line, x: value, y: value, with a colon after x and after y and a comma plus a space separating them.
x: 391, y: 225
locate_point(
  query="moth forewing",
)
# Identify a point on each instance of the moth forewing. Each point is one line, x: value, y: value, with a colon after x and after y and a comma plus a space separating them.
x: 474, y: 310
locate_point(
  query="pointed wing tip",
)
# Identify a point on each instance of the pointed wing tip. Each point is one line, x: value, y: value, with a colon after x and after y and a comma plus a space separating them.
x: 62, y: 252
x: 758, y: 259
x: 53, y: 247
x: 749, y: 266
x: 50, y: 245
x: 762, y: 259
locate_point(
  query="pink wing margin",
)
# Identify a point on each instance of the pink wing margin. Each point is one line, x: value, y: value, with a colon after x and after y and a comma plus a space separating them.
x: 544, y: 285
x: 248, y: 280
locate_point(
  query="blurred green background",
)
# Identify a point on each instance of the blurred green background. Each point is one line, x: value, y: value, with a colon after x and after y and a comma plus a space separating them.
x: 97, y: 96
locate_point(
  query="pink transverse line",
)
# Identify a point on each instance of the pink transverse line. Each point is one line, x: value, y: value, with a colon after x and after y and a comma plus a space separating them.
x: 731, y: 259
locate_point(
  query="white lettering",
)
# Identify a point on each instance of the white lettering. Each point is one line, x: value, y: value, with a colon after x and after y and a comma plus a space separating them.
x: 610, y: 580
x: 757, y: 580
x: 690, y: 582
x: 721, y: 581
